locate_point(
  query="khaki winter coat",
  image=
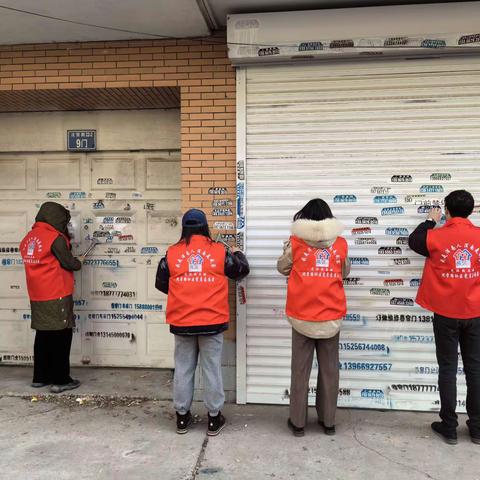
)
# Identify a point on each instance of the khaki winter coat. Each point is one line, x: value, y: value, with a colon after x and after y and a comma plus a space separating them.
x: 317, y: 234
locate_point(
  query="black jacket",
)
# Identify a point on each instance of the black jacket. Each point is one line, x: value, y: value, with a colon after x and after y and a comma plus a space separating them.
x: 417, y: 240
x: 236, y: 267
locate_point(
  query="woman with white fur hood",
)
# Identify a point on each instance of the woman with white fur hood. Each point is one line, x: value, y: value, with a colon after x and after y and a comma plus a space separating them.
x: 315, y: 259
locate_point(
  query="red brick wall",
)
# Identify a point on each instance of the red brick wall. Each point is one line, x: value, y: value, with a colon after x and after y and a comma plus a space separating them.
x: 200, y: 69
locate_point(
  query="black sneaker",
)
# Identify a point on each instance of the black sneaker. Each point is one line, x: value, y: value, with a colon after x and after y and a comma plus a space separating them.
x: 183, y: 422
x: 67, y: 386
x: 215, y: 424
x: 327, y: 430
x: 445, y: 433
x: 474, y: 433
x: 39, y: 384
x: 297, y: 431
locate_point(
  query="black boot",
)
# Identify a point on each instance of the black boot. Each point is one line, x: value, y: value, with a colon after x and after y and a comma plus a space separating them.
x: 297, y: 431
x: 327, y: 430
x: 474, y: 433
x: 447, y: 434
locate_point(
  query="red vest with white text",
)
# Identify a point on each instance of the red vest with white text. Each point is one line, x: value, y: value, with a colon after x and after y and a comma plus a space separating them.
x: 315, y: 285
x: 46, y: 279
x: 198, y: 287
x: 450, y: 283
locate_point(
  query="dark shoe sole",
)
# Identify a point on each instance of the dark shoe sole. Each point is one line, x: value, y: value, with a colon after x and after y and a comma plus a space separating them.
x: 183, y: 431
x: 39, y: 385
x: 296, y: 433
x: 330, y: 431
x: 214, y: 433
x: 64, y: 388
x: 449, y: 441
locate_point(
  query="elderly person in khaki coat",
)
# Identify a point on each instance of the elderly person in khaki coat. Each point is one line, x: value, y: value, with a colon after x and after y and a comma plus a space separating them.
x: 316, y: 260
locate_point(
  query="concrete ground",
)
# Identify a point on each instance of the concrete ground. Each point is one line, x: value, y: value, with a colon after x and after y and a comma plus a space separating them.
x: 118, y: 426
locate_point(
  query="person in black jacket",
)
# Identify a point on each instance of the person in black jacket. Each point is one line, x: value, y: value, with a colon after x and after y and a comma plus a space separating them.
x: 194, y: 275
x: 450, y: 288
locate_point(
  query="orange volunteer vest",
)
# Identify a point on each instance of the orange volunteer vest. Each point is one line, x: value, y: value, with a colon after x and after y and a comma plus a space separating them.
x: 198, y: 287
x: 450, y: 283
x: 315, y: 285
x: 46, y: 279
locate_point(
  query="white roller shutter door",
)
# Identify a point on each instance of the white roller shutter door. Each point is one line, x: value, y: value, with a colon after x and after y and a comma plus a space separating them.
x: 379, y: 141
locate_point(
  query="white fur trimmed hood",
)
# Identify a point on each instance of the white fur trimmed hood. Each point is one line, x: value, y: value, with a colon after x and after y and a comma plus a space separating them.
x: 323, y: 232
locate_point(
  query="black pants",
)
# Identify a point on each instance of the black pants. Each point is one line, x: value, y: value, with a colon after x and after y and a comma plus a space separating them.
x: 51, y: 353
x: 449, y: 333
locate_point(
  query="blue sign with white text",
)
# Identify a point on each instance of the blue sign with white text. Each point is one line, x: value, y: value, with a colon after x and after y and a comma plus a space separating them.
x: 81, y: 140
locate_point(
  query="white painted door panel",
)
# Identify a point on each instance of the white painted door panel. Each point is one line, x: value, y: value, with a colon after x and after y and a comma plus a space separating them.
x: 129, y: 202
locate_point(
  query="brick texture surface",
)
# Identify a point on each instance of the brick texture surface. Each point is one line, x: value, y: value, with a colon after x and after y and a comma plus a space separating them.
x: 200, y: 68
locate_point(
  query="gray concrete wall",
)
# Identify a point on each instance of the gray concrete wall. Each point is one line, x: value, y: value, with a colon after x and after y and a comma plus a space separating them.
x: 116, y: 130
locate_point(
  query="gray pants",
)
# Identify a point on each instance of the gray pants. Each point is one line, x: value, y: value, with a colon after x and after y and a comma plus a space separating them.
x: 187, y: 349
x: 327, y: 379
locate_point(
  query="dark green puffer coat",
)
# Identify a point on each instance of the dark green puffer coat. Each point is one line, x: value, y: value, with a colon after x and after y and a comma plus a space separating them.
x: 56, y: 314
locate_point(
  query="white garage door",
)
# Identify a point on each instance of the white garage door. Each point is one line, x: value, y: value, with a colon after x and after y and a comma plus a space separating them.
x: 130, y: 202
x: 380, y: 142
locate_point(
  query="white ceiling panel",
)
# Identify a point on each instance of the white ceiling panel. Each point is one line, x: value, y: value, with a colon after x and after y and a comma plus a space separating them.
x: 28, y: 21
x: 179, y: 18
